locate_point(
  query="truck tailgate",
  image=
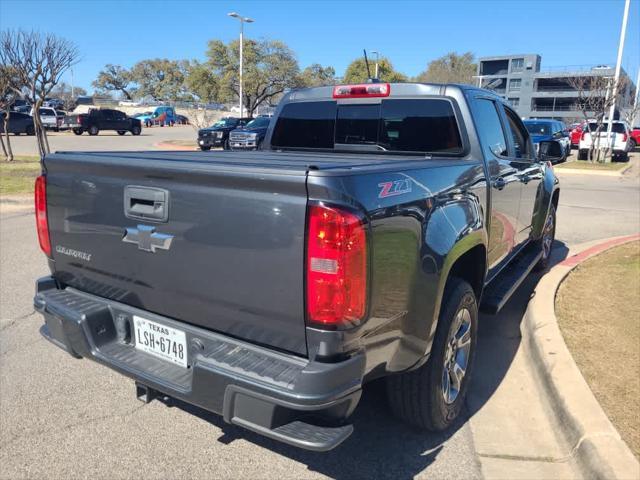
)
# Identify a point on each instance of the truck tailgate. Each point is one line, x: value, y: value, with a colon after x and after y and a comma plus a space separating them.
x: 229, y: 257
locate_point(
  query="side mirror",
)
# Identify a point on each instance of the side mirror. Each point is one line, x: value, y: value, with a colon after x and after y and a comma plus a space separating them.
x: 549, y: 151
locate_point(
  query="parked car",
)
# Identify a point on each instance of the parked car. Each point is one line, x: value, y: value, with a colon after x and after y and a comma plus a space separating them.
x: 18, y: 123
x: 103, y: 119
x: 182, y: 120
x: 619, y: 140
x: 217, y: 135
x: 251, y: 136
x: 161, y: 116
x: 49, y: 117
x: 576, y: 133
x: 549, y: 130
x: 270, y: 286
x: 635, y: 137
x: 21, y: 106
x: 55, y: 103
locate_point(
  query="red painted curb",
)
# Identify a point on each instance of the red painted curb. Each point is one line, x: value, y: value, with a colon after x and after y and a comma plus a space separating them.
x: 169, y: 146
x: 574, y: 260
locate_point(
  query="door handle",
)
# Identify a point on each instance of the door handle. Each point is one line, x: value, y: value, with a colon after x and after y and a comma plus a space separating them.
x: 499, y: 183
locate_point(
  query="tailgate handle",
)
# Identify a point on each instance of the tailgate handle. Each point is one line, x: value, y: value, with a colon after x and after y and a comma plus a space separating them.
x: 146, y: 203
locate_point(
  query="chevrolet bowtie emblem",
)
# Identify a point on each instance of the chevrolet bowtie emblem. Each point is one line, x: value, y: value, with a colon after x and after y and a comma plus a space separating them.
x: 146, y: 238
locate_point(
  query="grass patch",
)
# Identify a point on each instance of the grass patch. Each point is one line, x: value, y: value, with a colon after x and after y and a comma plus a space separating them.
x: 598, y: 308
x: 19, y: 176
x: 584, y: 165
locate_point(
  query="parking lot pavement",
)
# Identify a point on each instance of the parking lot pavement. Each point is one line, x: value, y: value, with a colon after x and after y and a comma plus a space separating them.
x: 61, y: 417
x: 108, y: 140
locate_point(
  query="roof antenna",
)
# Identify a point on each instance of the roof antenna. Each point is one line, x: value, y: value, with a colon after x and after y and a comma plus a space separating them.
x: 366, y: 61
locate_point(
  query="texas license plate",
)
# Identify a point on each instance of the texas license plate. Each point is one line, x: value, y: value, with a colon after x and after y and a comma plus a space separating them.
x: 161, y: 341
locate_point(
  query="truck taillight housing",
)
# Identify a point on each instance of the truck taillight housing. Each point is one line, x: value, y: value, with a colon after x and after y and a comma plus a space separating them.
x: 336, y: 267
x: 365, y: 90
x: 42, y: 224
x: 624, y: 137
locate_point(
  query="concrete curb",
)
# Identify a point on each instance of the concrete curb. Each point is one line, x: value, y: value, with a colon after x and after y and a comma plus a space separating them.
x: 602, y: 173
x: 595, y: 443
x: 170, y: 146
x: 16, y: 203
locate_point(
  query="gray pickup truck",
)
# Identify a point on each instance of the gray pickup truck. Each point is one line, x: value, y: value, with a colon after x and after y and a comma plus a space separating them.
x: 270, y: 286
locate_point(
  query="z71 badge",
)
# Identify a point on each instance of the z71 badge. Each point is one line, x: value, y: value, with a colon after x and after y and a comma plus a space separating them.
x: 396, y: 187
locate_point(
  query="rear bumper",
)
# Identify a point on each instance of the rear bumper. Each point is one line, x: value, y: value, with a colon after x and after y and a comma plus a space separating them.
x: 294, y: 400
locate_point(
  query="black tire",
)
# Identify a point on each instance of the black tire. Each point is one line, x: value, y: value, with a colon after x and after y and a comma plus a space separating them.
x: 633, y: 144
x: 93, y: 130
x: 546, y: 241
x: 204, y: 149
x: 30, y: 130
x: 417, y: 397
x: 583, y: 154
x: 225, y: 145
x: 136, y: 130
x: 259, y: 145
x: 16, y: 133
x: 121, y: 132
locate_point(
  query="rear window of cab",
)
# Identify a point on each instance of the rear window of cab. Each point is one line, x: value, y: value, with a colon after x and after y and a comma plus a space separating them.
x: 394, y: 125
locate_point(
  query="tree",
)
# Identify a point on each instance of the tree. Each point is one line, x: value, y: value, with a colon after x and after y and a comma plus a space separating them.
x: 8, y: 84
x: 161, y: 78
x: 63, y: 92
x: 596, y: 94
x: 270, y: 68
x: 203, y: 83
x: 450, y: 68
x: 115, y: 78
x: 39, y: 61
x: 316, y: 75
x: 357, y: 71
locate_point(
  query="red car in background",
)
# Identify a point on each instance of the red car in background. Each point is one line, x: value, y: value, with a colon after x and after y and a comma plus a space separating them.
x: 576, y: 133
x: 635, y: 137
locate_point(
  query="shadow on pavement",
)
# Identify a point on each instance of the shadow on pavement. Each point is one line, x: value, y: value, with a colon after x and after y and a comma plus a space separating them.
x: 499, y: 338
x: 383, y: 447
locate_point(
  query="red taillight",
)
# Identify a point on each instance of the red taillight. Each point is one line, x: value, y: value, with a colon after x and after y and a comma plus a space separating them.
x: 584, y: 134
x: 336, y: 267
x: 365, y: 90
x: 41, y: 215
x: 624, y: 137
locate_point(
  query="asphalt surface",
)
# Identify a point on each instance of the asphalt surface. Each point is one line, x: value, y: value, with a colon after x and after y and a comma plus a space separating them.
x: 107, y: 140
x: 67, y: 418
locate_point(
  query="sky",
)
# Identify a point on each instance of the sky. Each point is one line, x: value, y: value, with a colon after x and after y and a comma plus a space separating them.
x: 334, y: 32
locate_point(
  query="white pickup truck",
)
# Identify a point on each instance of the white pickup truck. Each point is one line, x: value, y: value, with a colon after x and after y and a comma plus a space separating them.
x: 619, y: 139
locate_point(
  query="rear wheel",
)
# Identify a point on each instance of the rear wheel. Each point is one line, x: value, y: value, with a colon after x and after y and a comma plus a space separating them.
x: 31, y: 130
x: 583, y: 154
x: 77, y: 131
x: 93, y: 130
x: 633, y: 144
x: 431, y: 397
x: 121, y: 132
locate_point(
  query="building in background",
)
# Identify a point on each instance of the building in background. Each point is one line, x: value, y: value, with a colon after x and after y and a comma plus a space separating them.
x: 536, y: 93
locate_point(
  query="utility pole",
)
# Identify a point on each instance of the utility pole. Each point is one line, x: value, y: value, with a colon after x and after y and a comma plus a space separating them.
x: 242, y: 22
x: 616, y: 78
x: 377, y: 54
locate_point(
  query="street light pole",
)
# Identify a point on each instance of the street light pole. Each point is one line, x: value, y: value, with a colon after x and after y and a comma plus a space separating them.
x: 242, y: 22
x: 616, y: 78
x: 377, y: 54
